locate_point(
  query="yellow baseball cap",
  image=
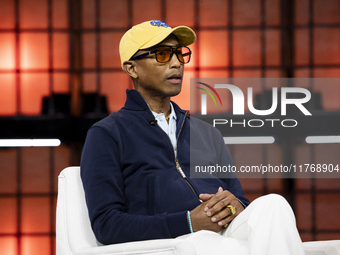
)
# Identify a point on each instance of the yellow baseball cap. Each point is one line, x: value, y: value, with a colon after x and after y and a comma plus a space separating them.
x: 150, y: 33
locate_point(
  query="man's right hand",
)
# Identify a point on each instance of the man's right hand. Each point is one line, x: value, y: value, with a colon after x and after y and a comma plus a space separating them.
x: 199, y: 218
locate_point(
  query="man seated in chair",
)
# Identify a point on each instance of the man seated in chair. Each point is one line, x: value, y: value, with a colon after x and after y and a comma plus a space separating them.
x: 135, y: 164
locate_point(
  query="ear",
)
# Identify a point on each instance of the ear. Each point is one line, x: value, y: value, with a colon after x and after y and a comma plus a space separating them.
x: 130, y: 68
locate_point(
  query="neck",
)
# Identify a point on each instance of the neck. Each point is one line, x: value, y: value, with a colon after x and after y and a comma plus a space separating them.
x: 158, y: 104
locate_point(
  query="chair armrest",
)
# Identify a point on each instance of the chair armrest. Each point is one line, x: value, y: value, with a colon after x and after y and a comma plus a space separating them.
x: 322, y: 247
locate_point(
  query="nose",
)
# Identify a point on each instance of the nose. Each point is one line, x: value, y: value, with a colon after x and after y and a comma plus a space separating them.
x: 174, y: 62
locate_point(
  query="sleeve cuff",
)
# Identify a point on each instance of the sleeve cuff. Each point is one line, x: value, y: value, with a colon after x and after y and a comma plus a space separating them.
x: 178, y: 224
x: 242, y: 203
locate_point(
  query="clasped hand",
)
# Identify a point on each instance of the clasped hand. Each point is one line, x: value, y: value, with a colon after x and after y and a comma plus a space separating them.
x: 213, y: 214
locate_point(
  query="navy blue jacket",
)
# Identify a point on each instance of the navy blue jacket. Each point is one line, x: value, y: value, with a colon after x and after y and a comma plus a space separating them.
x: 133, y: 183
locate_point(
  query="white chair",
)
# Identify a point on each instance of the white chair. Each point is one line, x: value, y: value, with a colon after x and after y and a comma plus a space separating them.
x: 74, y: 235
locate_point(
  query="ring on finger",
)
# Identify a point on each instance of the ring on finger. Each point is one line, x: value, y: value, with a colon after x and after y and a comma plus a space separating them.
x: 232, y: 209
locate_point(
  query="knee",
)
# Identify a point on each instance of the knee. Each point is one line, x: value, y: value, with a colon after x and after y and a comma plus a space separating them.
x: 275, y: 198
x: 274, y: 201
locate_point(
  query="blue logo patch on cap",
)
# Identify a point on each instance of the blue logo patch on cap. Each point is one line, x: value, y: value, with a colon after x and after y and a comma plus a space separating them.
x: 158, y: 23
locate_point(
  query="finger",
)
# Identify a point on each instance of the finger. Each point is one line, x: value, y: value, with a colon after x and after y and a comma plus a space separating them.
x: 216, y: 198
x: 205, y: 197
x: 224, y: 213
x: 217, y: 202
x: 219, y: 206
x: 220, y: 190
x: 226, y: 220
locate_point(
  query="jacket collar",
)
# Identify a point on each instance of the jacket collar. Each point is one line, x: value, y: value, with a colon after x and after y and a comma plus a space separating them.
x: 135, y: 102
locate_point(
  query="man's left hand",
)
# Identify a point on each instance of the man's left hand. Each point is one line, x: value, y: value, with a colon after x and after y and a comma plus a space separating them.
x: 217, y: 209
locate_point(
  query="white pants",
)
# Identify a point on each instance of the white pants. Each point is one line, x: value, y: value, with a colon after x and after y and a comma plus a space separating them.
x: 266, y: 227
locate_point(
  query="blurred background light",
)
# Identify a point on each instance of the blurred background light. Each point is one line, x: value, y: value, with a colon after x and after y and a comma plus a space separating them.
x: 29, y: 142
x: 323, y: 139
x: 249, y: 140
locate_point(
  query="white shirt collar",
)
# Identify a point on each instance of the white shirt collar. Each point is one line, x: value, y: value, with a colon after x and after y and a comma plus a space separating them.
x: 172, y: 114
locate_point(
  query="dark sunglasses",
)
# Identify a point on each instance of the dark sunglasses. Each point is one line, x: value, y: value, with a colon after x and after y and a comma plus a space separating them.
x: 165, y: 53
